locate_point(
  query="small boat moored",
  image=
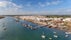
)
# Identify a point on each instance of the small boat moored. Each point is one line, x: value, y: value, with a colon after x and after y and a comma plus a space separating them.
x: 43, y: 36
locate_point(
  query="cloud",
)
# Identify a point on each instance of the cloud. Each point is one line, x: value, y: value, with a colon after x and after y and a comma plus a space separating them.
x: 9, y: 8
x: 9, y: 4
x: 56, y: 2
x: 49, y: 3
x: 57, y: 12
x: 28, y: 4
x: 51, y: 12
x: 42, y: 5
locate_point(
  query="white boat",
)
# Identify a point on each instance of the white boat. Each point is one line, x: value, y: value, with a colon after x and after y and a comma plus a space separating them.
x: 4, y: 26
x: 43, y: 36
x: 17, y: 19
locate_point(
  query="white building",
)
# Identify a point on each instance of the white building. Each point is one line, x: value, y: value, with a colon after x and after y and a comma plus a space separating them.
x: 67, y: 19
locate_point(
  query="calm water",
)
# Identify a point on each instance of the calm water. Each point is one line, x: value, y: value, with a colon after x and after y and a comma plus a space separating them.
x: 12, y: 30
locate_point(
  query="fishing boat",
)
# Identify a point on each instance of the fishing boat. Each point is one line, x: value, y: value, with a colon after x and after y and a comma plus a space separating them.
x: 4, y: 26
x: 17, y: 20
x: 43, y: 36
x: 34, y: 28
x: 25, y: 25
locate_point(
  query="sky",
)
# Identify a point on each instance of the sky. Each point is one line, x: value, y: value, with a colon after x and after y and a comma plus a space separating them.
x: 35, y: 7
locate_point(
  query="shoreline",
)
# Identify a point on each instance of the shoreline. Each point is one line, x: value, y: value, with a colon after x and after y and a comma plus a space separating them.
x: 48, y: 27
x: 1, y: 17
x: 57, y: 23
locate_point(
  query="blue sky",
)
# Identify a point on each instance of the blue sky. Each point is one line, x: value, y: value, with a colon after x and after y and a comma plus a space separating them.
x: 35, y: 7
